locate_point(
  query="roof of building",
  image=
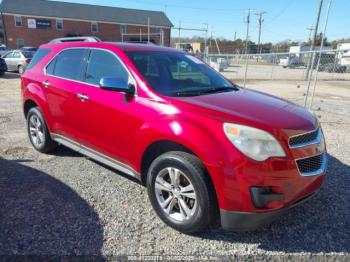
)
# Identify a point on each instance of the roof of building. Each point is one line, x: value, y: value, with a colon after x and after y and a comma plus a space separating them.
x: 85, y: 12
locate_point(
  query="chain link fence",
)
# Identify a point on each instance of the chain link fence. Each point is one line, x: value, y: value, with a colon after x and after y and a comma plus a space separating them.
x: 330, y: 65
x: 318, y: 80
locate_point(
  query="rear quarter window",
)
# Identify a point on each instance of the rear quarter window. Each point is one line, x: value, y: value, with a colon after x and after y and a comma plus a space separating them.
x: 38, y: 56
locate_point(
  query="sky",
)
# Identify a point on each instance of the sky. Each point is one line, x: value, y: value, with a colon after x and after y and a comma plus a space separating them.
x: 284, y: 19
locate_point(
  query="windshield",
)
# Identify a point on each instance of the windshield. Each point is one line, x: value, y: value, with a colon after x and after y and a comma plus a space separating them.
x: 178, y: 74
x: 28, y: 54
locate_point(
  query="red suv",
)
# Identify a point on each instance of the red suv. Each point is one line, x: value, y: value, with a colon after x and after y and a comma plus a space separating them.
x: 206, y: 148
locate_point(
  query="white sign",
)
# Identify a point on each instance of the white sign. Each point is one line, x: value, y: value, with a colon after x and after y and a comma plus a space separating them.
x: 31, y: 23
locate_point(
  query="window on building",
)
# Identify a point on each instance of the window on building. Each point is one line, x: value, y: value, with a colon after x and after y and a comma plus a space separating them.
x: 20, y: 43
x: 159, y: 30
x: 94, y: 27
x: 59, y: 24
x: 123, y: 29
x: 104, y: 64
x: 68, y: 64
x: 18, y: 20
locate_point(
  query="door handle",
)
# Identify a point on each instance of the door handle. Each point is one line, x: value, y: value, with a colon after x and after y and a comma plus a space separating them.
x: 46, y: 83
x: 83, y: 97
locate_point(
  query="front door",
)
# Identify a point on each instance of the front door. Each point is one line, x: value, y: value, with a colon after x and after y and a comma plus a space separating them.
x: 107, y: 119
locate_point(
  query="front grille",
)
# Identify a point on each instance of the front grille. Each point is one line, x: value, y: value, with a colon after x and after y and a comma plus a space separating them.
x: 314, y: 165
x: 304, y: 139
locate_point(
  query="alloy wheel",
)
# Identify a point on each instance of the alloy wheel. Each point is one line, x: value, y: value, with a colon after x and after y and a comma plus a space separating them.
x: 175, y: 194
x: 36, y: 131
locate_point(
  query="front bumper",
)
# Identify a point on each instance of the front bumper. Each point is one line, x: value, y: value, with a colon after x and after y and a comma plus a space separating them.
x: 249, y: 221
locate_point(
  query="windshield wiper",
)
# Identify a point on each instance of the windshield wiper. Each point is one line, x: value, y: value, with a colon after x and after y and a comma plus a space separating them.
x: 207, y: 91
x: 219, y: 89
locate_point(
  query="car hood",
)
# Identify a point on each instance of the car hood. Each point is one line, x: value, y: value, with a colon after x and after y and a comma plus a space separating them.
x: 251, y: 107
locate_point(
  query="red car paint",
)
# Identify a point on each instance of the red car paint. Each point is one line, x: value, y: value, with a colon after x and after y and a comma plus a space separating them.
x: 123, y: 128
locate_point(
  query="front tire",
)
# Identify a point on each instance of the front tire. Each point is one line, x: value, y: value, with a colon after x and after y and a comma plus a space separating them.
x: 38, y: 133
x: 181, y: 193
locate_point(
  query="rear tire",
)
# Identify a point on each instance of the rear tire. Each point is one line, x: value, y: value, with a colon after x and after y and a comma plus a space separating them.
x: 20, y: 70
x: 38, y: 133
x: 181, y: 192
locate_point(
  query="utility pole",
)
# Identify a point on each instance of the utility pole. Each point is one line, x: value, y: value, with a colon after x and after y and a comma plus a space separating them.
x: 260, y: 21
x: 179, y: 39
x: 312, y: 58
x: 206, y: 40
x: 319, y: 58
x: 247, y: 20
x: 148, y: 30
x: 311, y: 29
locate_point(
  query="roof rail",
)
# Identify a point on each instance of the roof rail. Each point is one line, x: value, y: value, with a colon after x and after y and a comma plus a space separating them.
x: 75, y: 39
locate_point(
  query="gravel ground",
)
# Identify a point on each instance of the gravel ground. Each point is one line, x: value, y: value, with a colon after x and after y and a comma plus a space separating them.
x: 66, y: 204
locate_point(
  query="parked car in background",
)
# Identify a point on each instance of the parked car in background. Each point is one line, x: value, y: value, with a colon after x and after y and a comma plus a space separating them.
x: 18, y: 60
x: 218, y: 63
x: 4, y: 50
x: 291, y: 62
x: 29, y: 48
x: 205, y: 148
x: 3, y: 67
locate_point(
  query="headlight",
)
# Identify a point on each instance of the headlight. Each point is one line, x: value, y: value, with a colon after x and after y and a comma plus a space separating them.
x: 254, y: 143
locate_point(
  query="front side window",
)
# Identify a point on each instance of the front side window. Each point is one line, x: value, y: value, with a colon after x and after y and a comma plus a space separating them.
x: 18, y: 21
x: 68, y: 64
x: 179, y: 74
x: 94, y: 27
x: 59, y: 24
x: 104, y: 64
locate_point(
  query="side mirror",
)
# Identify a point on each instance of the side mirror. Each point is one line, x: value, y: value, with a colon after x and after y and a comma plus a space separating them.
x: 117, y: 84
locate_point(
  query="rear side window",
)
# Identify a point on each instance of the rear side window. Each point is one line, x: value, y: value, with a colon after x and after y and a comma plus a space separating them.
x: 68, y: 64
x: 104, y: 64
x: 38, y: 56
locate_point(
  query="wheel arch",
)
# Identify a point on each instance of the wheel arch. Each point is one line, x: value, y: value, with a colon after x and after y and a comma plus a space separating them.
x: 156, y: 149
x: 28, y: 104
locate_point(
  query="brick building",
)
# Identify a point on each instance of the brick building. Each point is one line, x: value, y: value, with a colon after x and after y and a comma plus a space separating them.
x: 34, y: 22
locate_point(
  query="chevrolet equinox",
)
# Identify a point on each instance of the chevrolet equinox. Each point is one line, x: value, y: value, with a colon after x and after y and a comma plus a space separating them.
x: 206, y: 148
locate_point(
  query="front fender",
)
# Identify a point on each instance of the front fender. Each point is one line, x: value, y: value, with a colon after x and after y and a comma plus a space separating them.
x: 204, y: 139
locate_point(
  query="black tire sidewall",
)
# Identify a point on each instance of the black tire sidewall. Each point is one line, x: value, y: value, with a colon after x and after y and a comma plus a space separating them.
x: 200, y: 219
x: 35, y: 111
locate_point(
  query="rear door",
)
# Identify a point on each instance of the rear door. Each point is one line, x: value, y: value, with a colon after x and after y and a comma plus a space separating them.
x: 18, y: 59
x: 62, y: 80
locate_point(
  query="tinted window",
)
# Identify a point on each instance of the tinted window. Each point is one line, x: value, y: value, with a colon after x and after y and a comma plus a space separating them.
x: 39, y: 55
x: 178, y: 74
x: 51, y: 67
x: 69, y: 64
x: 104, y: 64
